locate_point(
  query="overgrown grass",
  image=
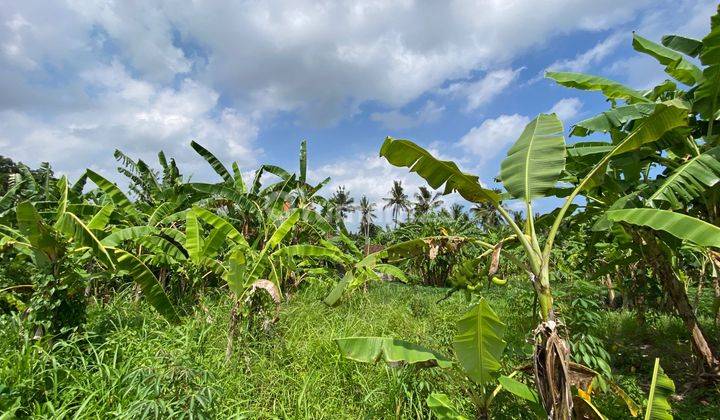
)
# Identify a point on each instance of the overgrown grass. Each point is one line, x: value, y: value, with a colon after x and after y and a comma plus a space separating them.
x: 129, y: 363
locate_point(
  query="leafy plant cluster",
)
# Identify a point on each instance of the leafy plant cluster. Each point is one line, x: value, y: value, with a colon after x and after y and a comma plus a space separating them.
x: 637, y: 230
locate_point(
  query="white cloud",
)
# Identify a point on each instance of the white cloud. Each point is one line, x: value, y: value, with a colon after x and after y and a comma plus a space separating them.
x: 567, y: 108
x: 83, y: 76
x: 640, y: 71
x: 582, y: 62
x: 482, y: 91
x: 143, y: 32
x: 321, y: 59
x: 493, y: 136
x: 135, y: 116
x: 396, y: 120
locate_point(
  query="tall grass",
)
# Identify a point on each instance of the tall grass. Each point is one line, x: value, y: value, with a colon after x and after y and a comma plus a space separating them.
x: 129, y: 363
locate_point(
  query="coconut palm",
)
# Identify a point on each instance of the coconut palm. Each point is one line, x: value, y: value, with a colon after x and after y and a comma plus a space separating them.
x: 398, y: 200
x: 486, y: 215
x: 426, y: 201
x: 367, y: 214
x: 342, y: 203
x: 457, y: 212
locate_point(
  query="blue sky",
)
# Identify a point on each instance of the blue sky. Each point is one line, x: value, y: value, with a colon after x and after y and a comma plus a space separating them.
x: 251, y: 79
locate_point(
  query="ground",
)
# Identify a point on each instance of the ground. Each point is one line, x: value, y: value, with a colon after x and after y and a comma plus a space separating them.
x: 130, y: 363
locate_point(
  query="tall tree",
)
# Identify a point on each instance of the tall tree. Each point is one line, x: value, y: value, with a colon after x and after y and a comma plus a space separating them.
x: 457, y: 212
x: 486, y: 215
x: 398, y: 200
x: 426, y: 201
x: 342, y: 202
x: 367, y: 214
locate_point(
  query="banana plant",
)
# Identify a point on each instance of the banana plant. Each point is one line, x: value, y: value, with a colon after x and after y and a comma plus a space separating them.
x: 684, y: 200
x: 360, y: 270
x: 262, y: 267
x: 533, y: 167
x: 50, y: 243
x: 663, y: 254
x: 661, y: 387
x: 478, y: 347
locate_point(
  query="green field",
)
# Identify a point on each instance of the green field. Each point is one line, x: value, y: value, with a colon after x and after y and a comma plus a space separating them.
x: 130, y: 363
x: 257, y: 295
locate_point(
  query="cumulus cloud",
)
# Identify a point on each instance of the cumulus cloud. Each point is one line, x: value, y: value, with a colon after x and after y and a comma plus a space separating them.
x: 566, y: 109
x: 638, y: 70
x: 320, y: 59
x: 493, y: 136
x: 482, y: 91
x: 82, y: 76
x: 136, y: 116
x: 582, y: 62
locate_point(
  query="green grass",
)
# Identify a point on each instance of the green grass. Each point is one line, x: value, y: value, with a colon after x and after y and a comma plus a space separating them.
x: 129, y: 363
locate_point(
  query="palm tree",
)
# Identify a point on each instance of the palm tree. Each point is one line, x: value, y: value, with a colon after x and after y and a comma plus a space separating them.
x: 342, y: 202
x: 367, y: 214
x: 486, y: 215
x: 426, y: 201
x: 398, y: 200
x: 457, y: 212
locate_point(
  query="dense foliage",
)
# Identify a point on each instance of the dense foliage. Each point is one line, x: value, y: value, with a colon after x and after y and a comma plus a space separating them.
x: 255, y: 282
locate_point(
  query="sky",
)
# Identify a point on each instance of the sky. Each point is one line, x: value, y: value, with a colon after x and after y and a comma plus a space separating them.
x: 250, y: 80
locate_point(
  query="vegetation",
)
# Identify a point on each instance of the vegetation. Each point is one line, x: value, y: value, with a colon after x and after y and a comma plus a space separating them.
x: 251, y: 298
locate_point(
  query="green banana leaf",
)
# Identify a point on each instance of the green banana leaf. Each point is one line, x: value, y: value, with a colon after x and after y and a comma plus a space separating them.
x: 404, y: 153
x: 116, y: 195
x: 479, y: 342
x: 162, y: 211
x: 687, y: 46
x: 611, y: 89
x: 392, y: 351
x: 312, y: 251
x: 662, y: 387
x: 690, y: 180
x: 151, y: 287
x: 101, y: 218
x: 219, y: 223
x: 38, y: 234
x: 337, y: 291
x: 442, y: 407
x: 213, y: 161
x: 535, y: 162
x: 675, y: 64
x: 283, y: 229
x: 679, y: 225
x: 612, y: 119
x: 118, y: 236
x: 194, y: 241
x: 303, y: 162
x: 521, y: 390
x: 72, y: 226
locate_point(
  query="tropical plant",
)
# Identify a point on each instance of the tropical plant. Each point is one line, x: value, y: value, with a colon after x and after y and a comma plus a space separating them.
x: 397, y: 200
x: 367, y: 214
x: 533, y: 167
x: 426, y: 201
x: 685, y: 148
x: 59, y: 243
x: 478, y: 346
x: 340, y: 204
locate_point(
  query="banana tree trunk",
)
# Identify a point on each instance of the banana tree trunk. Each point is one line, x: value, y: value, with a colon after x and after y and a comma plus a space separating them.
x: 232, y: 328
x: 551, y: 357
x: 716, y: 286
x: 678, y: 295
x: 715, y: 259
x: 610, y: 291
